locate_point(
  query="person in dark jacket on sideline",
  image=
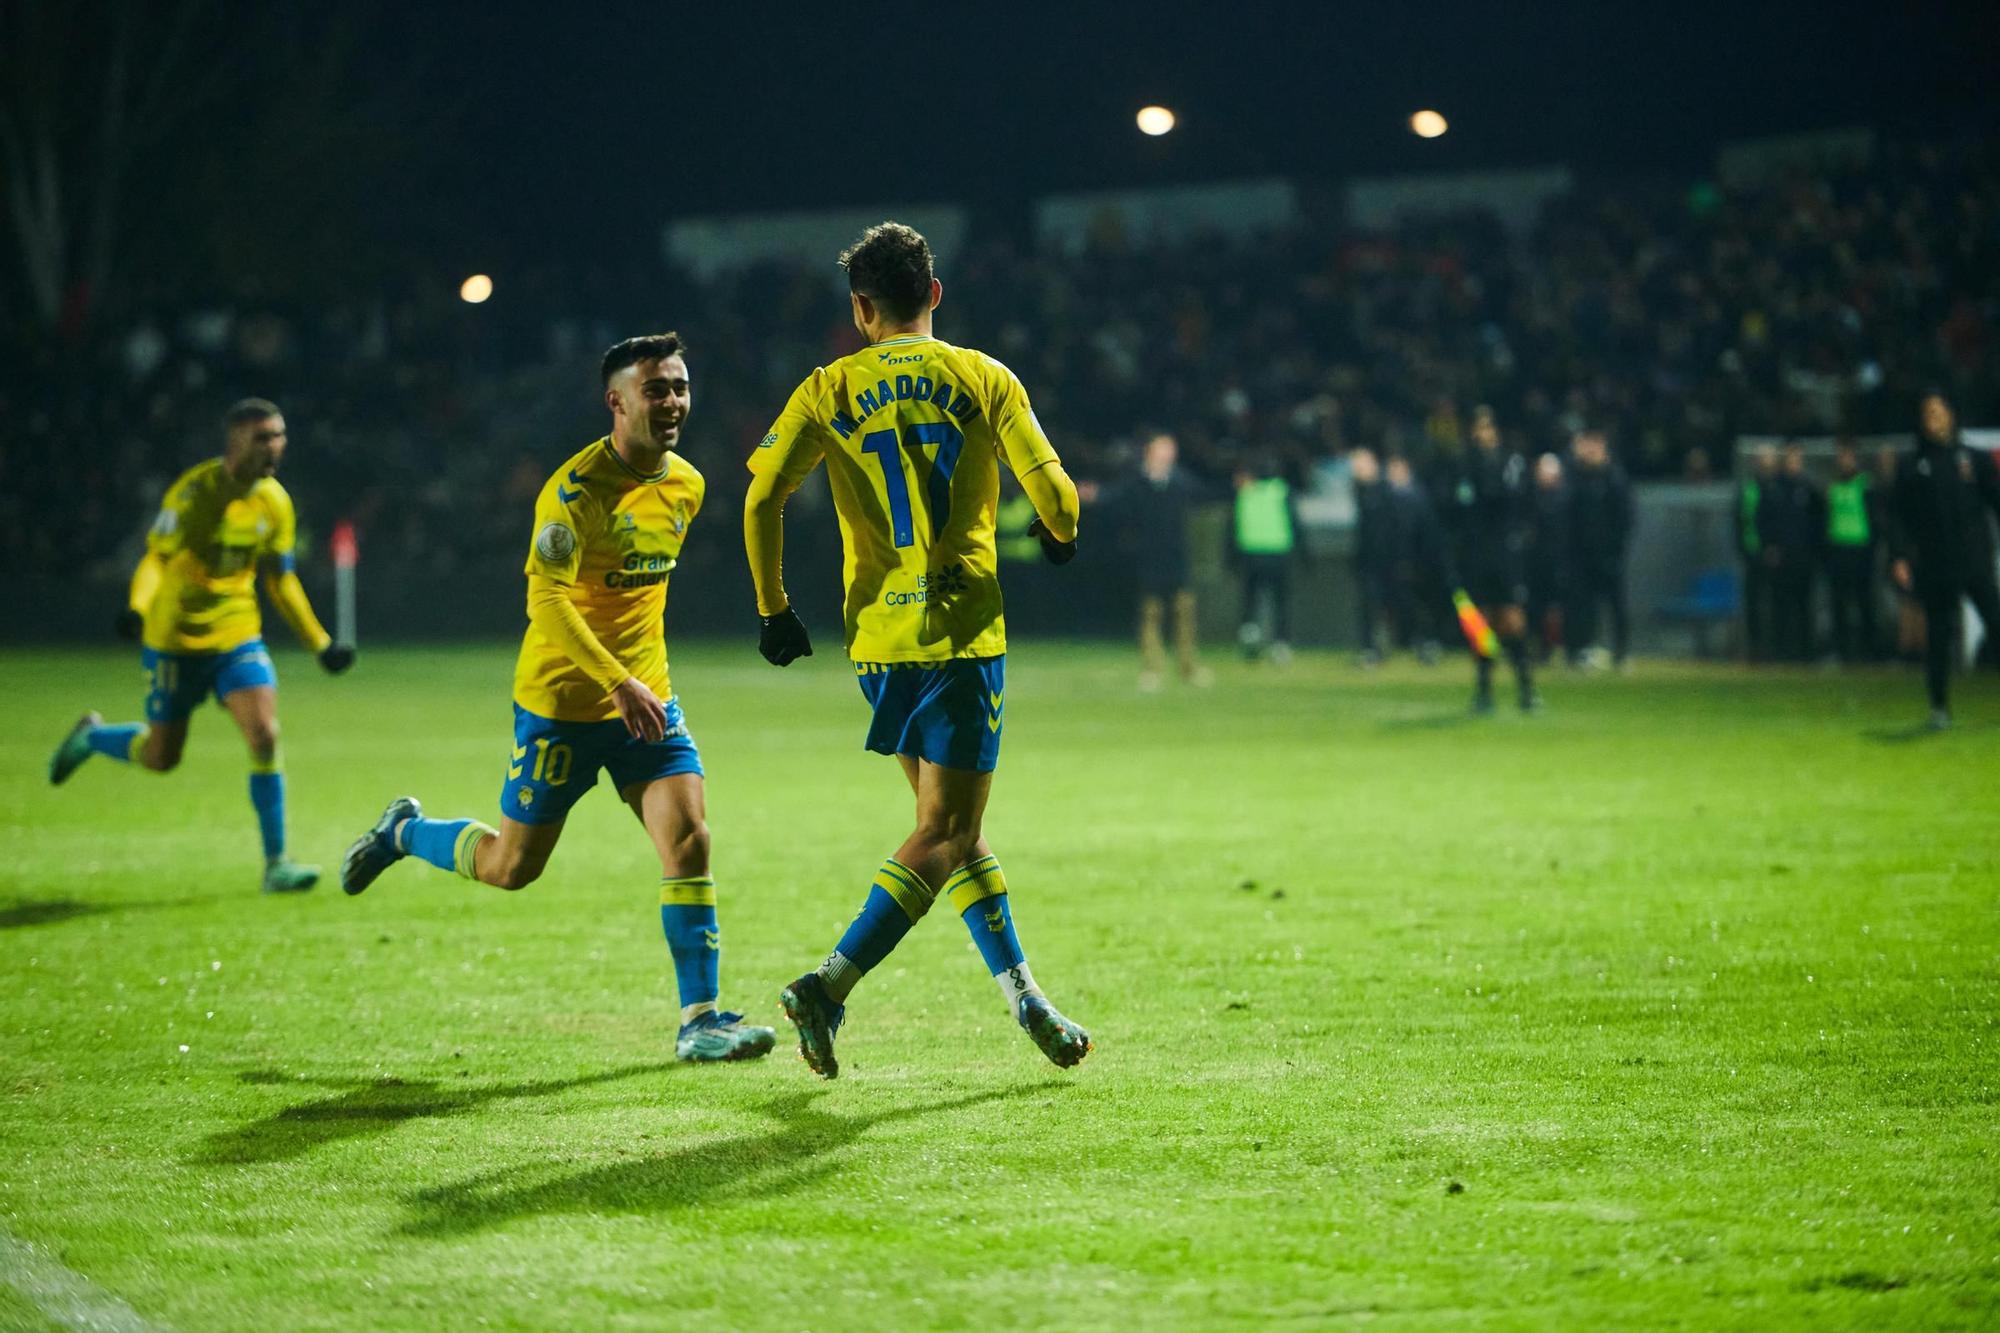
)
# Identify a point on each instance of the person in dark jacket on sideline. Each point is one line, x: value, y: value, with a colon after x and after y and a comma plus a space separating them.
x: 1750, y: 545
x: 1494, y: 517
x: 1417, y: 590
x: 1374, y: 553
x: 1548, y: 556
x: 1790, y: 524
x: 1152, y: 510
x: 1944, y: 541
x: 1600, y: 514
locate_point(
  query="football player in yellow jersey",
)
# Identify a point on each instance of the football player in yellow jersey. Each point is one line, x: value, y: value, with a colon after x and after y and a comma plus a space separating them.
x: 913, y: 432
x: 193, y: 602
x: 591, y: 691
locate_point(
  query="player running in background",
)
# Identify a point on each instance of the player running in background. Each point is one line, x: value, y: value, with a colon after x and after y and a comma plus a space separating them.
x: 1494, y: 516
x: 591, y: 690
x: 913, y: 431
x: 193, y: 604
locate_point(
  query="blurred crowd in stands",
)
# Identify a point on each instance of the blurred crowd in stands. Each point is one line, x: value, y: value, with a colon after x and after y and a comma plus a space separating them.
x: 1671, y: 319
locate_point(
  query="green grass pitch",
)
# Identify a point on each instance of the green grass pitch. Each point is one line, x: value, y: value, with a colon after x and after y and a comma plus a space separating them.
x: 1672, y: 1006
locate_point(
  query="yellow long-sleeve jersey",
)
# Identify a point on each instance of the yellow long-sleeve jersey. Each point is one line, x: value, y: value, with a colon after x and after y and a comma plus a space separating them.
x: 913, y: 431
x: 196, y: 586
x: 605, y: 539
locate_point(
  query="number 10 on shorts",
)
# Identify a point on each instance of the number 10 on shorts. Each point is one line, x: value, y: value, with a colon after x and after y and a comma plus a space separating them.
x: 552, y: 761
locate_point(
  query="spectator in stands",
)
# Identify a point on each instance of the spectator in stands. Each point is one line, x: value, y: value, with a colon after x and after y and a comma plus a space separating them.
x: 1792, y: 524
x: 1810, y: 297
x: 1853, y: 527
x: 1600, y: 523
x: 1944, y: 492
x: 1750, y: 545
x: 1265, y: 531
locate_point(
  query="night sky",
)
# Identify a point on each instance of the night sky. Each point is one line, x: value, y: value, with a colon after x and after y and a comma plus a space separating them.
x: 319, y: 148
x: 649, y: 112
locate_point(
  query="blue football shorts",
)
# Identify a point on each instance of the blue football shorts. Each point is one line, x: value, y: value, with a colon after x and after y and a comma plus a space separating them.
x: 946, y: 712
x: 180, y: 681
x: 555, y: 763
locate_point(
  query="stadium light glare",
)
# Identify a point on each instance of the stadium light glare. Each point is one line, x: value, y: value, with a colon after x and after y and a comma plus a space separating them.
x: 475, y: 289
x: 1155, y: 120
x: 1428, y: 124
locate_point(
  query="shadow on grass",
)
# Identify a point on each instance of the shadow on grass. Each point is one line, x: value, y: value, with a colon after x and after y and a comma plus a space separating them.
x: 51, y: 911
x: 1458, y: 717
x: 371, y: 1106
x: 1922, y: 731
x: 46, y: 912
x: 800, y: 1149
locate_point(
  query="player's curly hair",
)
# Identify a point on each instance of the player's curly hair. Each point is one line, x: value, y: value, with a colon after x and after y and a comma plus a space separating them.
x: 891, y: 266
x: 646, y: 347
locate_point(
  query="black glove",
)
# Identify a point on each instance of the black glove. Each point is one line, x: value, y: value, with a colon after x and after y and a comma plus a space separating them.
x: 1053, y: 551
x: 336, y: 658
x: 783, y: 638
x: 130, y: 624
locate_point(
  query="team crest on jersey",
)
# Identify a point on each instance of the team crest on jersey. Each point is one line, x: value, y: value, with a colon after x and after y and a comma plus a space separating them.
x: 555, y: 543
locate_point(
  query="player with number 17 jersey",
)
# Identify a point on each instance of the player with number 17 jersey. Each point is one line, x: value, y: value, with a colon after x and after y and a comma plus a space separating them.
x: 913, y: 431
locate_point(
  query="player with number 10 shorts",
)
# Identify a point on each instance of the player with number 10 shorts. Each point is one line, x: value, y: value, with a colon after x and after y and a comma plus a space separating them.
x: 591, y: 692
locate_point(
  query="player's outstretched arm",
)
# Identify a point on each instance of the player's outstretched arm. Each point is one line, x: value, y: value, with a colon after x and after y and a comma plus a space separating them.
x: 1057, y: 510
x: 281, y: 583
x: 781, y: 635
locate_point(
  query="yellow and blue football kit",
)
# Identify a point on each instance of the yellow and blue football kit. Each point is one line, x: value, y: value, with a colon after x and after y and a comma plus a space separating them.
x: 913, y: 431
x: 606, y: 538
x: 196, y: 588
x: 195, y: 593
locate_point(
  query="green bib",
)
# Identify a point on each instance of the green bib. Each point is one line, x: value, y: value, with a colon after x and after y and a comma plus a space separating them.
x: 1264, y: 517
x: 1847, y: 512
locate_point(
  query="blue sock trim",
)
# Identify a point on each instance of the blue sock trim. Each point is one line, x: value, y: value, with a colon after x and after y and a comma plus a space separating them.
x: 991, y: 922
x: 877, y: 930
x: 696, y: 943
x: 435, y: 840
x: 114, y: 740
x: 267, y: 793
